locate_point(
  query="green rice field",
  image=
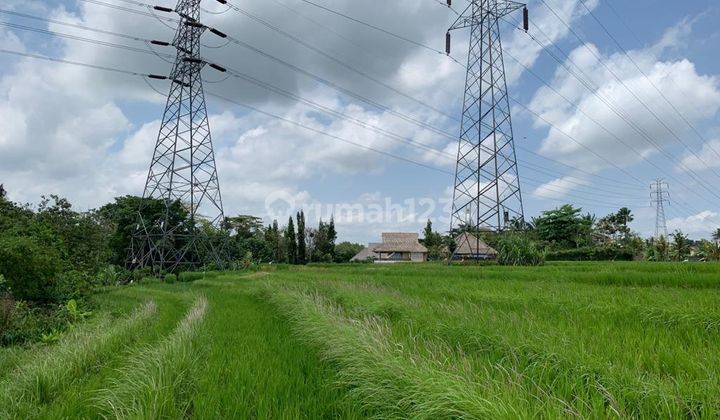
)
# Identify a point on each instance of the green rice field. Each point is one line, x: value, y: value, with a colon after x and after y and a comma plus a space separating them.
x: 588, y: 340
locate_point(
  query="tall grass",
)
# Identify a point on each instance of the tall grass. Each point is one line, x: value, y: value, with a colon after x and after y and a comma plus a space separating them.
x: 41, y: 380
x: 415, y: 378
x: 158, y: 381
x: 630, y: 352
x: 590, y: 340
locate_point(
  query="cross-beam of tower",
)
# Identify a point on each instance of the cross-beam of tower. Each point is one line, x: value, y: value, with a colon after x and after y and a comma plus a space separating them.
x: 182, y: 172
x: 487, y: 187
x: 659, y: 195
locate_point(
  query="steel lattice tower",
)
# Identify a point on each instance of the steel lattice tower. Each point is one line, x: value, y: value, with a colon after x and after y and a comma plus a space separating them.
x: 487, y: 187
x: 182, y: 171
x: 659, y: 195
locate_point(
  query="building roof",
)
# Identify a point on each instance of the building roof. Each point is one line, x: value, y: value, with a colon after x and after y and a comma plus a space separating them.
x: 400, y: 242
x: 467, y: 244
x: 367, y: 252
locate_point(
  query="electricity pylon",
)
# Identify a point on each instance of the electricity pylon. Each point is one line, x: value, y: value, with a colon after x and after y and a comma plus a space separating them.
x: 182, y: 172
x: 659, y: 195
x: 487, y: 186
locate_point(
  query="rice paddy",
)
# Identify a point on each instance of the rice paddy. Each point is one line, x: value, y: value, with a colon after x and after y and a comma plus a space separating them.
x: 589, y: 340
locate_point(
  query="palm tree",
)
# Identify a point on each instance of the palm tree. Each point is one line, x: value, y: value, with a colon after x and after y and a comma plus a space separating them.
x: 716, y: 235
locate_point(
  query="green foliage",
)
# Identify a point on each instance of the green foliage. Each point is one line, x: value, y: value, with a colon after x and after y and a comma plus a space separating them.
x: 615, y: 225
x: 591, y: 253
x: 435, y: 243
x: 28, y: 322
x: 710, y: 250
x: 517, y: 249
x: 324, y: 238
x: 564, y: 227
x: 291, y: 242
x: 188, y: 276
x: 301, y: 239
x: 344, y: 251
x: 123, y: 218
x: 73, y: 285
x: 170, y: 278
x: 29, y: 267
x: 658, y: 250
x: 681, y: 246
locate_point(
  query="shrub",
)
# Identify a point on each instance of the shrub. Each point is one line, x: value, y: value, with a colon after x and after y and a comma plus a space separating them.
x: 514, y: 249
x: 141, y: 274
x: 112, y: 275
x: 31, y: 322
x: 29, y: 268
x: 592, y: 254
x: 73, y: 285
x: 7, y: 312
x: 189, y: 276
x: 170, y: 278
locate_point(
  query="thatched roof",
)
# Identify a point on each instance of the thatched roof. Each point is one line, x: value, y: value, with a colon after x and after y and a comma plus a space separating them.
x: 467, y: 244
x: 400, y: 242
x: 367, y: 252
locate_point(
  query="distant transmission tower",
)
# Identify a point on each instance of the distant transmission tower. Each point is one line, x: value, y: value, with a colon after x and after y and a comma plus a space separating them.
x: 182, y: 172
x: 659, y: 195
x: 487, y: 187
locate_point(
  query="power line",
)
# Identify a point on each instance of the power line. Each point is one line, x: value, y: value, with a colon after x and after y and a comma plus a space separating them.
x: 336, y: 60
x: 309, y: 102
x: 617, y: 78
x: 594, y: 91
x: 355, y: 95
x: 136, y: 74
x: 657, y: 89
x: 75, y: 63
x: 83, y: 39
x: 120, y: 34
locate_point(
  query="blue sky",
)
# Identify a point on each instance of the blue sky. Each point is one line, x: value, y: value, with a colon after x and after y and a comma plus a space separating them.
x: 88, y: 135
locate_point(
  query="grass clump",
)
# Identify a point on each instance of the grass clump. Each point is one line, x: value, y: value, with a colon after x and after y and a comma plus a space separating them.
x: 40, y: 380
x: 158, y: 381
x: 517, y: 249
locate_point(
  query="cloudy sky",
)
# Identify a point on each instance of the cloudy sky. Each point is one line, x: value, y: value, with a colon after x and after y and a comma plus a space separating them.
x: 597, y: 115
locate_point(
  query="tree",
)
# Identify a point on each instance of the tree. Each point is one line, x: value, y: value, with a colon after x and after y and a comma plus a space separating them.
x: 344, y: 251
x: 274, y: 239
x: 716, y: 236
x: 331, y: 236
x: 30, y: 268
x: 291, y: 242
x: 710, y: 250
x: 564, y: 227
x: 124, y: 217
x: 681, y: 246
x: 302, y: 244
x: 615, y: 225
x: 435, y: 243
x: 3, y: 193
x: 243, y: 226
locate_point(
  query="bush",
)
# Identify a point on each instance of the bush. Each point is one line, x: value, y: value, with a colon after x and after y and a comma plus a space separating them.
x: 592, y: 254
x: 170, y: 278
x: 29, y: 268
x: 514, y: 249
x: 73, y: 285
x: 189, y: 276
x: 29, y: 323
x: 7, y: 312
x: 139, y: 275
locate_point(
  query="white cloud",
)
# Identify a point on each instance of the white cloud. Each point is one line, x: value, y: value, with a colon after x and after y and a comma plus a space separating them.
x: 705, y: 158
x: 698, y: 226
x: 559, y: 187
x: 599, y: 127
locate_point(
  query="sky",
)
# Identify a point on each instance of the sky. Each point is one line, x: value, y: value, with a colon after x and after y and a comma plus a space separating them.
x: 606, y: 97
